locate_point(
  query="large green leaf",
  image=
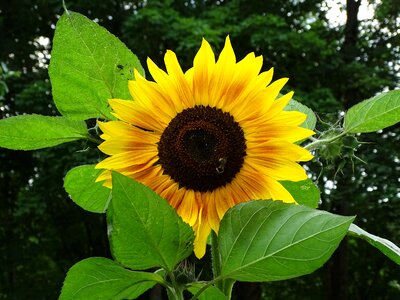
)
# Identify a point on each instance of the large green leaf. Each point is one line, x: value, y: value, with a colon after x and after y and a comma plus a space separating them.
x: 146, y: 230
x: 272, y: 240
x: 31, y: 132
x: 88, y: 66
x: 311, y: 120
x: 103, y: 279
x: 305, y: 192
x: 80, y: 183
x: 373, y: 114
x: 384, y: 245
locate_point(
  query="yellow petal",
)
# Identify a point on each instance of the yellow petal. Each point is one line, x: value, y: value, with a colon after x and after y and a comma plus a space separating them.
x: 149, y: 96
x: 202, y: 231
x: 189, y: 208
x: 134, y: 139
x: 278, y: 192
x: 210, y: 200
x: 179, y: 90
x: 224, y: 72
x: 293, y: 118
x: 115, y: 128
x: 125, y: 159
x: 203, y: 66
x: 165, y: 84
x: 277, y: 149
x: 277, y: 131
x: 105, y: 175
x: 129, y: 111
x: 279, y: 104
x: 281, y: 169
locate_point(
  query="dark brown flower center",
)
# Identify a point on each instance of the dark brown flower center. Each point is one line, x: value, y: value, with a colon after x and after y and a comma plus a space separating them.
x: 202, y: 148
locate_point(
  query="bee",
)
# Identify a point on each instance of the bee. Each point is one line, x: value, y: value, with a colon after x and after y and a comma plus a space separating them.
x: 221, y: 165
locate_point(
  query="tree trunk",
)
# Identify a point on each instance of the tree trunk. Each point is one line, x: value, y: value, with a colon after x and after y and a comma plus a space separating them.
x: 337, y: 277
x: 350, y: 50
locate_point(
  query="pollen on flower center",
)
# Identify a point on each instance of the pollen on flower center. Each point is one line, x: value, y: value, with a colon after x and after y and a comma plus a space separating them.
x: 202, y: 148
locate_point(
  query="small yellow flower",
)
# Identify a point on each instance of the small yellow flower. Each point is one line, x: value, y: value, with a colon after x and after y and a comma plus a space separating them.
x: 208, y: 138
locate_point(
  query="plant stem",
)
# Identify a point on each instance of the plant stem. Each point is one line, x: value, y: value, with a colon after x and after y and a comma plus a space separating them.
x: 93, y: 139
x: 316, y: 143
x: 206, y: 286
x: 65, y: 7
x: 216, y: 258
x: 225, y: 285
x: 175, y: 292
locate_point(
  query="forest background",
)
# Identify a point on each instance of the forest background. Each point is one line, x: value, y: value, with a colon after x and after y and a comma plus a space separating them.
x: 332, y: 64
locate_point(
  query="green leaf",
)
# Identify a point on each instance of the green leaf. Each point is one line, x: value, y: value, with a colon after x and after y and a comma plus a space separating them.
x: 88, y: 66
x: 211, y: 293
x: 80, y: 183
x: 271, y: 240
x: 311, y: 120
x: 373, y: 114
x: 385, y: 246
x: 146, y: 230
x: 31, y: 132
x: 101, y: 278
x: 305, y: 192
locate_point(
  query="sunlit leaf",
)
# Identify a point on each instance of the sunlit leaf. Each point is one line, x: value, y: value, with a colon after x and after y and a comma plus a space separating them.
x: 272, y: 240
x: 374, y: 114
x: 311, y: 120
x: 88, y: 66
x: 30, y: 132
x: 305, y: 192
x: 103, y: 279
x: 146, y: 230
x: 80, y: 183
x: 385, y: 246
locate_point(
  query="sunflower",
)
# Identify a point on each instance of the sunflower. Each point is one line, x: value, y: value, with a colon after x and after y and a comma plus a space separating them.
x: 208, y: 138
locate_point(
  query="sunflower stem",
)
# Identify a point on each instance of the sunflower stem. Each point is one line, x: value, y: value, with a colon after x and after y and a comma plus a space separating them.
x: 317, y: 143
x: 174, y: 292
x: 225, y: 285
x: 216, y: 258
x: 206, y: 286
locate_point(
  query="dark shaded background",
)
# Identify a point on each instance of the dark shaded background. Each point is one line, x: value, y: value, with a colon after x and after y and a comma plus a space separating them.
x: 43, y: 233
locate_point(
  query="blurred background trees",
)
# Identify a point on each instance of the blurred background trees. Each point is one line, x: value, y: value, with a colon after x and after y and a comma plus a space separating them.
x: 333, y: 62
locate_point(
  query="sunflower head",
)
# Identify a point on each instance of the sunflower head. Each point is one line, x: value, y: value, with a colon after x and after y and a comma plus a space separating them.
x: 208, y: 138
